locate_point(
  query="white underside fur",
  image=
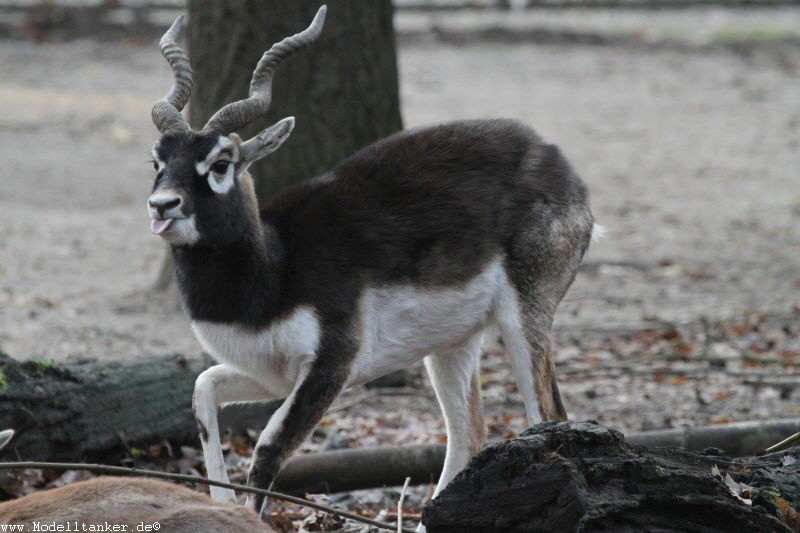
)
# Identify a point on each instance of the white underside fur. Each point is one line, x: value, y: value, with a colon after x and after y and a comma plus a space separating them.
x: 272, y: 356
x: 400, y: 325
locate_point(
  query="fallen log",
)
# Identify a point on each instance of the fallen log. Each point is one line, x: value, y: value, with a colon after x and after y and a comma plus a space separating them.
x: 89, y: 410
x: 85, y: 409
x: 579, y: 476
x: 737, y: 439
x: 361, y: 468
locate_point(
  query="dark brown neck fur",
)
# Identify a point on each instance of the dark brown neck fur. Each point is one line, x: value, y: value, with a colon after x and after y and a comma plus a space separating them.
x: 239, y: 282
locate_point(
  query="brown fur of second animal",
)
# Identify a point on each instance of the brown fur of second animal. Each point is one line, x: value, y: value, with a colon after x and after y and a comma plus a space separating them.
x: 131, y: 501
x: 128, y: 501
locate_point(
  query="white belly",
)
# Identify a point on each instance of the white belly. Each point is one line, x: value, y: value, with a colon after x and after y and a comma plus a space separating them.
x: 402, y: 324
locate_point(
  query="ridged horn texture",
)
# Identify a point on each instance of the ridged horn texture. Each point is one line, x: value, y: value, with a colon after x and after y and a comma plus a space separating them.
x: 236, y: 115
x: 167, y: 111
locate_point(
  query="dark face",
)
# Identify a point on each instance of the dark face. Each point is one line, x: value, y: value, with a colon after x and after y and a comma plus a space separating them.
x: 196, y: 197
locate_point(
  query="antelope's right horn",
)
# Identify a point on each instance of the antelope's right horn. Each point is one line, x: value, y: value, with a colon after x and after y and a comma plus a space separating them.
x: 166, y: 112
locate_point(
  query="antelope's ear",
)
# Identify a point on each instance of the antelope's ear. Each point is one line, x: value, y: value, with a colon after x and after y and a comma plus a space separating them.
x: 5, y: 436
x: 267, y: 141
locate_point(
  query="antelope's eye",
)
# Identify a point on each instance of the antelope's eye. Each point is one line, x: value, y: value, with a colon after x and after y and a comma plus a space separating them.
x: 155, y: 165
x: 220, y: 167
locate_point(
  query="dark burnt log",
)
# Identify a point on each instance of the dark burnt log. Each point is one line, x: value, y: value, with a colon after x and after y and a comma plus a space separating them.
x: 579, y: 476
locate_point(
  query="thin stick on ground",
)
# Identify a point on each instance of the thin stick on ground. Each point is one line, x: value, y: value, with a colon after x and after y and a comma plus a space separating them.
x: 785, y: 443
x: 400, y: 506
x: 106, y: 469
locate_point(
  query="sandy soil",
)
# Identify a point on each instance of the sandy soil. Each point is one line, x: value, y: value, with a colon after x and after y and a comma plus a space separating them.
x: 691, y: 154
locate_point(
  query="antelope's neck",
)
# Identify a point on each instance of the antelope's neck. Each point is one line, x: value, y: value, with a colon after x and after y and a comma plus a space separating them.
x: 238, y: 283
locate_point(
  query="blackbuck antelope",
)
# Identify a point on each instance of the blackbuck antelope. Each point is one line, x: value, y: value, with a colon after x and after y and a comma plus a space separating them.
x: 408, y: 250
x: 123, y: 503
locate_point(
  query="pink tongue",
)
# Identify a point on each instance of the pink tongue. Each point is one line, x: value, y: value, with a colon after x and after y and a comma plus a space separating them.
x: 159, y: 226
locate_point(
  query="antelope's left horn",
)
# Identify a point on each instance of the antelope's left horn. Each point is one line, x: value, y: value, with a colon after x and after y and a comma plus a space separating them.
x: 236, y: 115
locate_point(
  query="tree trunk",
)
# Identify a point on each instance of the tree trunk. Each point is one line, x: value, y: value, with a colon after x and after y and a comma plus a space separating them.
x: 583, y: 477
x: 343, y: 89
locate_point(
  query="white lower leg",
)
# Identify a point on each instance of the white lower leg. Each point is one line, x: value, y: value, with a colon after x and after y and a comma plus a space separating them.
x: 451, y: 374
x: 213, y: 387
x: 205, y: 411
x: 519, y: 352
x: 518, y: 349
x: 457, y: 456
x: 215, y: 466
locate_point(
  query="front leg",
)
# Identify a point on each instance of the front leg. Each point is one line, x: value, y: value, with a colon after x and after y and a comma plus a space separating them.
x: 215, y: 386
x: 316, y: 388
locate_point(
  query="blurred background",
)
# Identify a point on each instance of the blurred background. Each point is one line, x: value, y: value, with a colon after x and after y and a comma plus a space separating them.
x: 683, y: 118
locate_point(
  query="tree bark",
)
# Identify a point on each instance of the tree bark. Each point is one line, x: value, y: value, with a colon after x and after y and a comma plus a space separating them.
x: 87, y: 409
x: 343, y: 89
x: 583, y: 477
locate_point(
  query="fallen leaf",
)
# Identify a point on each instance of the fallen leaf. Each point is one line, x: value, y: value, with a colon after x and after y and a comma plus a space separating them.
x: 738, y: 490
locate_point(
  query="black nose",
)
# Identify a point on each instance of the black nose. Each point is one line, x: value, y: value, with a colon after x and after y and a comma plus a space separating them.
x: 161, y: 204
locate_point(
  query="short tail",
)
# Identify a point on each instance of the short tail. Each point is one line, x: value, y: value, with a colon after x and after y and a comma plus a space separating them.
x: 5, y: 436
x: 598, y: 232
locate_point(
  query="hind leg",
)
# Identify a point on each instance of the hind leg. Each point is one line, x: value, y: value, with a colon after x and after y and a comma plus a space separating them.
x: 525, y: 320
x: 540, y: 267
x: 523, y: 356
x: 454, y: 374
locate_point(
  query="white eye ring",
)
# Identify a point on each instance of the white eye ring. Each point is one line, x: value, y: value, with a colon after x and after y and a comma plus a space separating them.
x: 226, y: 184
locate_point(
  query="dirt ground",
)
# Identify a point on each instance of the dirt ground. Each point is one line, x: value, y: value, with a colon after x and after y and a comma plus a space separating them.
x: 691, y: 153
